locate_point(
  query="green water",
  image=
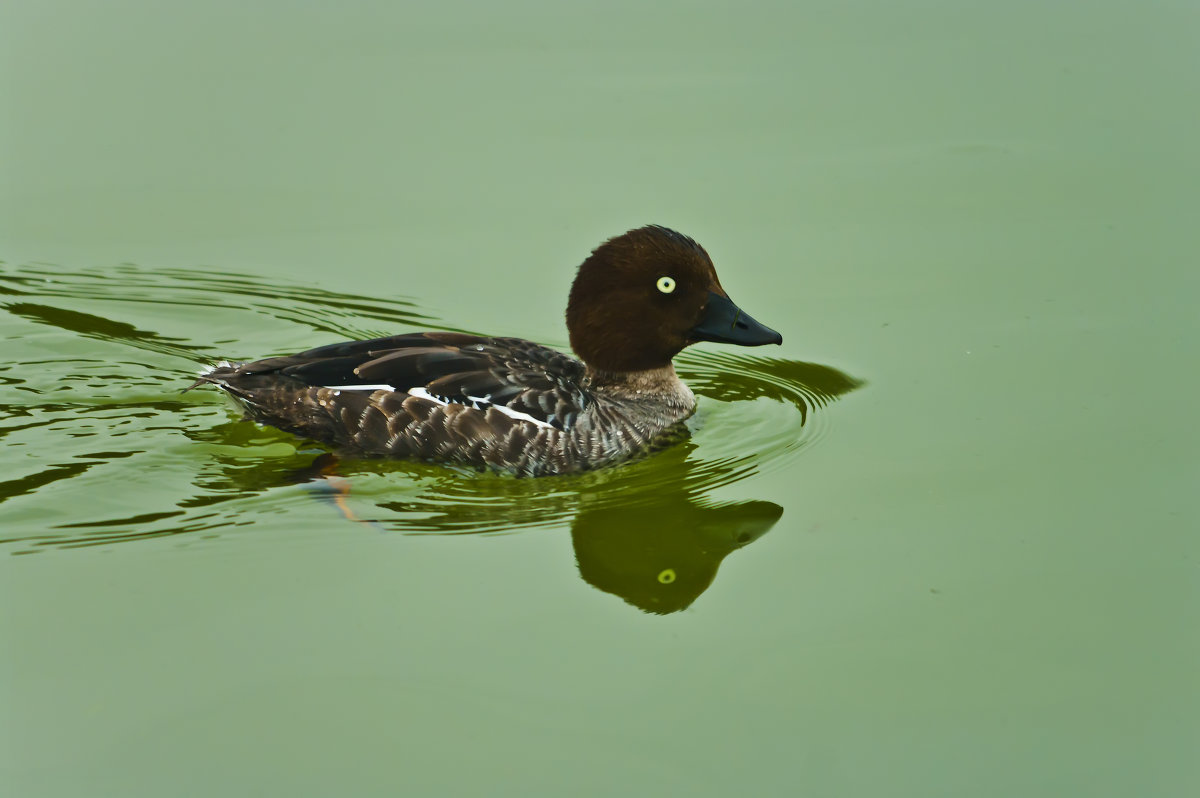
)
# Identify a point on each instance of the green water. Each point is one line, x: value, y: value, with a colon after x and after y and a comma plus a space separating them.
x: 941, y: 543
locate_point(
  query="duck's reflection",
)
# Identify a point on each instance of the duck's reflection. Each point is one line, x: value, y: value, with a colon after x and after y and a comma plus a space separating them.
x: 661, y: 557
x: 647, y: 532
x: 656, y: 546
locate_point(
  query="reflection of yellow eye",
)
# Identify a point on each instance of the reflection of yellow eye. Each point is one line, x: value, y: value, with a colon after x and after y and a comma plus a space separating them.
x: 666, y: 285
x: 667, y: 576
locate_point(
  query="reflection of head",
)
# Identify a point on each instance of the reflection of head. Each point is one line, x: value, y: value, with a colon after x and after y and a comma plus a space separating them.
x: 660, y: 557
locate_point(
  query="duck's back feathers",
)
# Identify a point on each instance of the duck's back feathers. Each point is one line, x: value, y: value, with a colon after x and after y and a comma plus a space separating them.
x: 437, y: 395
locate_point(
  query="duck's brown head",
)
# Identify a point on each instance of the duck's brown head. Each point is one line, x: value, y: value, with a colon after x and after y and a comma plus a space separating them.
x: 643, y: 296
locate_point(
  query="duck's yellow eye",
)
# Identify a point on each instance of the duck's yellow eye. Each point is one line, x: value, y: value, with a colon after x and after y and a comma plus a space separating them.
x: 668, y: 576
x: 666, y: 284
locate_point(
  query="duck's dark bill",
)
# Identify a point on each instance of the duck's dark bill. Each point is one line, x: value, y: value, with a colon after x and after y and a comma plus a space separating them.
x: 726, y: 323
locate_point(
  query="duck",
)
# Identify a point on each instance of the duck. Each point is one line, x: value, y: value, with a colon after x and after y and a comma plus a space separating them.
x: 508, y: 404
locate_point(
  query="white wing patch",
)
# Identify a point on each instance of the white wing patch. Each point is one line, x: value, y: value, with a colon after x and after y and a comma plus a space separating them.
x: 360, y: 387
x: 481, y: 403
x: 478, y: 402
x: 421, y: 393
x: 508, y: 411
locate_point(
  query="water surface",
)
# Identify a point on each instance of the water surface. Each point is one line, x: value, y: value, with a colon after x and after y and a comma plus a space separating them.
x: 942, y: 542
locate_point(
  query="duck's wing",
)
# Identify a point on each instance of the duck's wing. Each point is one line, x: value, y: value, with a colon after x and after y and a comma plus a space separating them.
x: 520, y: 379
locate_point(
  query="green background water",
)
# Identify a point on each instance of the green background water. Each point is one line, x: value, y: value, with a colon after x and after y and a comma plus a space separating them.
x: 974, y: 573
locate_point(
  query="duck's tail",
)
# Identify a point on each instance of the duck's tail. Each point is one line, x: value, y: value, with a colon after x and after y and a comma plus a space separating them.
x: 219, y: 375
